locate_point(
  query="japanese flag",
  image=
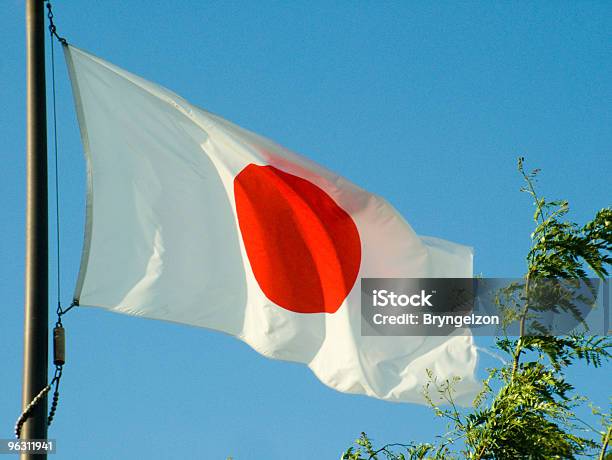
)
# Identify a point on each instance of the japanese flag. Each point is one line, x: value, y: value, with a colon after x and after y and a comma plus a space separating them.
x: 195, y: 220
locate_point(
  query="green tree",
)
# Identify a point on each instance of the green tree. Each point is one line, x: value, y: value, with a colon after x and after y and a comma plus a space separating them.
x: 527, y: 408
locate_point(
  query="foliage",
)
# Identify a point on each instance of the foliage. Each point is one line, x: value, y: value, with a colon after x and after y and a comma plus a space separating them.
x: 527, y: 408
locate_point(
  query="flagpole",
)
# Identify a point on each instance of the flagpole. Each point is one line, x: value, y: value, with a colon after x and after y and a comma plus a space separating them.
x: 35, y: 353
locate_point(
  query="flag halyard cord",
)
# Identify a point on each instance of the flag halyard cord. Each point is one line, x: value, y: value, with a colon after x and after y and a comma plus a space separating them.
x: 58, y: 331
x: 52, y: 34
x: 52, y: 28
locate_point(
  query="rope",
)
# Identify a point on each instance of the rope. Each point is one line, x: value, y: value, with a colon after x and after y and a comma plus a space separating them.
x: 58, y: 365
x: 61, y: 312
x: 41, y: 394
x: 28, y: 410
x: 54, y: 402
x: 58, y: 332
x: 52, y: 28
x: 52, y: 33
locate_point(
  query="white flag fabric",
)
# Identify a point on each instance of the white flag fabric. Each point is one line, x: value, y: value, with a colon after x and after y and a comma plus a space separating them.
x: 195, y: 220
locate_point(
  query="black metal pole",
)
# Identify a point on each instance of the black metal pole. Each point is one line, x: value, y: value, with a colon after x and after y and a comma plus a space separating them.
x: 35, y: 353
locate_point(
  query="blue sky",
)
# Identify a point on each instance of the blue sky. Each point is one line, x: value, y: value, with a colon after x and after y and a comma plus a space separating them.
x: 425, y: 103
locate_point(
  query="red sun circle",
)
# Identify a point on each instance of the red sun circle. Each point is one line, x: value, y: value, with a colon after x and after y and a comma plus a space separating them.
x: 303, y: 248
